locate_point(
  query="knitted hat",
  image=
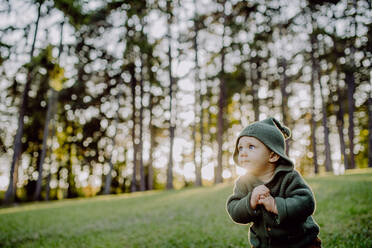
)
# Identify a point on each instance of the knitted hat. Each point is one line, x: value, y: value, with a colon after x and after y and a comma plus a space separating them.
x: 270, y: 132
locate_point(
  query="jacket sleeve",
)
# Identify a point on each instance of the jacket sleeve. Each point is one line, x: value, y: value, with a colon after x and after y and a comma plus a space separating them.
x: 298, y: 202
x: 238, y: 204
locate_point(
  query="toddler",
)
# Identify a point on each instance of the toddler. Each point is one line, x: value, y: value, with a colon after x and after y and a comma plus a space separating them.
x: 271, y: 195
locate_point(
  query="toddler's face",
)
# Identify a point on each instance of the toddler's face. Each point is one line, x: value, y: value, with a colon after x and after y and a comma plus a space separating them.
x: 253, y: 154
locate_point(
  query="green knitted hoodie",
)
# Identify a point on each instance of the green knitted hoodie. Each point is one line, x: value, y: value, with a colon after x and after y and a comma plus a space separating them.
x: 294, y: 226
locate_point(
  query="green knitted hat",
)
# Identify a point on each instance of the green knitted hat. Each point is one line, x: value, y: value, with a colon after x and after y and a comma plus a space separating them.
x: 270, y: 132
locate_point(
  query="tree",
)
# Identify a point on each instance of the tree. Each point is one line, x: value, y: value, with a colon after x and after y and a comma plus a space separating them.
x: 142, y: 172
x: 221, y: 101
x: 369, y: 105
x: 198, y: 105
x: 350, y: 82
x: 154, y: 100
x: 312, y: 118
x: 316, y: 76
x: 284, y: 94
x: 108, y: 180
x: 172, y: 126
x: 56, y: 85
x: 340, y: 121
x: 10, y: 193
x: 134, y: 126
x: 328, y: 161
x: 370, y: 128
x: 246, y: 59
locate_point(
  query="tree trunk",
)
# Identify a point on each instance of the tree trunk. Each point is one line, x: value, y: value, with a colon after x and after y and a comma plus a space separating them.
x: 198, y: 180
x: 108, y: 179
x: 209, y: 123
x: 17, y: 147
x: 340, y: 124
x: 47, y: 187
x: 242, y: 104
x: 182, y: 167
x: 170, y: 165
x: 71, y: 190
x: 221, y: 106
x: 201, y: 126
x: 51, y: 103
x: 220, y: 130
x: 255, y: 86
x: 142, y: 171
x: 328, y: 160
x: 369, y: 106
x: 350, y: 82
x: 312, y: 120
x: 141, y: 166
x: 283, y: 89
x: 134, y: 174
x: 150, y: 178
x: 171, y: 121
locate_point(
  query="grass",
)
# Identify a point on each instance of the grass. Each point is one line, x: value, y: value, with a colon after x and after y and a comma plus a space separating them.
x: 186, y: 218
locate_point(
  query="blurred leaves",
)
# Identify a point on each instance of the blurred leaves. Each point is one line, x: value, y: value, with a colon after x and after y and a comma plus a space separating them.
x: 57, y: 77
x: 117, y: 43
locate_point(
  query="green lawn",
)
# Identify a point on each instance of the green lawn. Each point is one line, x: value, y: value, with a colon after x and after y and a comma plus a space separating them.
x: 186, y: 218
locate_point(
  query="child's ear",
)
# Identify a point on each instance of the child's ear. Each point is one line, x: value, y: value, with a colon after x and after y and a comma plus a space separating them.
x: 273, y: 157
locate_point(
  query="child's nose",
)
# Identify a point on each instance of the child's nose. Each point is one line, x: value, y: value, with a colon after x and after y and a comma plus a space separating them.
x: 244, y: 152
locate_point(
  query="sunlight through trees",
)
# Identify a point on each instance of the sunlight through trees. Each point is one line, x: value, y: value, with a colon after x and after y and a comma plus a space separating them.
x: 108, y: 97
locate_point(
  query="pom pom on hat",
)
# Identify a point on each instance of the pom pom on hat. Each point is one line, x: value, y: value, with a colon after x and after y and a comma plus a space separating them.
x: 285, y: 130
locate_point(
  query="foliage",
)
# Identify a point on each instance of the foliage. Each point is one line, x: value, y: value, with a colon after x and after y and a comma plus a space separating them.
x: 261, y: 49
x: 362, y: 155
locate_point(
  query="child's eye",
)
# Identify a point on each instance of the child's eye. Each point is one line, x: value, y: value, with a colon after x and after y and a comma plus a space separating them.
x: 251, y: 147
x: 240, y: 148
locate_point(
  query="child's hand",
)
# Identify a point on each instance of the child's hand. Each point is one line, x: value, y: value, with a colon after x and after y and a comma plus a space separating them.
x: 257, y: 192
x: 269, y: 203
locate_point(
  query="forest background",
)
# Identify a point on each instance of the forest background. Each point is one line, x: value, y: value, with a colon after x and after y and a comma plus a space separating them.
x: 100, y: 97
